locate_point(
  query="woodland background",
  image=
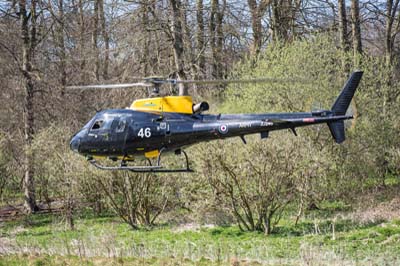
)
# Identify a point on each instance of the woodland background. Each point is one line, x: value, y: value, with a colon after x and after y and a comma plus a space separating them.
x: 48, y: 45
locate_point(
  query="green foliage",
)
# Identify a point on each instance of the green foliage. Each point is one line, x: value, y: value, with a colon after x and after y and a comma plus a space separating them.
x: 3, y: 167
x: 9, y: 181
x: 257, y: 181
x: 59, y: 172
x: 373, y: 139
x: 137, y: 198
x: 313, y: 65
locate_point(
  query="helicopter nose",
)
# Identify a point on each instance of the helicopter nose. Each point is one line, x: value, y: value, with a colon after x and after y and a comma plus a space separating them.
x: 74, y: 143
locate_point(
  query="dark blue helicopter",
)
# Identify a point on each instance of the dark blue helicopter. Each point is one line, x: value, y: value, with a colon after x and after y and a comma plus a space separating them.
x: 153, y: 126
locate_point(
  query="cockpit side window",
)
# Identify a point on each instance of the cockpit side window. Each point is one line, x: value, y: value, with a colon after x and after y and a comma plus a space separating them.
x: 110, y: 122
x: 121, y: 125
x: 97, y: 124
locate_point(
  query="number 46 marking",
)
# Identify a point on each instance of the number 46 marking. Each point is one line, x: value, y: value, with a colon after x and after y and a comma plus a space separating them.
x: 144, y: 132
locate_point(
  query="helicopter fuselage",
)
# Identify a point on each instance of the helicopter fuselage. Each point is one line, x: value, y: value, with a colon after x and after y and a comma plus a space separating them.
x: 153, y: 126
x: 124, y: 133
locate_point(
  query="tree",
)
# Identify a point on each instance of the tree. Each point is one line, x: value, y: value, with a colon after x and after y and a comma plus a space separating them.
x: 282, y: 21
x: 29, y: 42
x: 62, y: 173
x: 391, y: 31
x: 60, y: 43
x: 255, y: 189
x: 356, y: 27
x: 343, y: 25
x: 217, y: 37
x: 200, y: 39
x: 95, y: 37
x: 257, y: 13
x: 138, y: 199
x: 106, y: 39
x: 178, y: 46
x: 81, y: 40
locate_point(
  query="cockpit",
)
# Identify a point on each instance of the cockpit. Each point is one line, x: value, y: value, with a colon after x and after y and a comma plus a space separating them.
x: 116, y: 122
x: 102, y: 132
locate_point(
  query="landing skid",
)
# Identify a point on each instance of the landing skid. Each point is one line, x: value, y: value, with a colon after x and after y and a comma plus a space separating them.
x: 158, y: 168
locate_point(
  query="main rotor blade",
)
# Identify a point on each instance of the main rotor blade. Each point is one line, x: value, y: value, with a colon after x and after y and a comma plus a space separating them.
x: 255, y: 80
x: 110, y: 86
x: 153, y: 82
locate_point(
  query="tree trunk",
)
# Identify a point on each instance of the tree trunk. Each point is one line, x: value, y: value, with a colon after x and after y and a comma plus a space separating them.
x: 81, y: 23
x: 256, y: 26
x: 187, y: 40
x: 28, y: 46
x: 200, y: 39
x: 105, y: 38
x: 356, y: 29
x: 391, y: 9
x: 343, y: 25
x: 257, y: 12
x: 220, y: 38
x: 295, y: 10
x: 69, y: 210
x: 267, y: 225
x: 177, y: 33
x: 213, y: 27
x: 95, y: 39
x: 217, y: 37
x: 61, y: 46
x: 278, y: 24
x: 145, y: 41
x: 281, y: 22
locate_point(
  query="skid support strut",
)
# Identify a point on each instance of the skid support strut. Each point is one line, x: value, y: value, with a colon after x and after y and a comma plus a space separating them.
x: 158, y: 168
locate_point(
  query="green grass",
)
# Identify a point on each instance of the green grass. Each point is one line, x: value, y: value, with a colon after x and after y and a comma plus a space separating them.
x: 45, y: 260
x: 388, y: 180
x: 107, y: 237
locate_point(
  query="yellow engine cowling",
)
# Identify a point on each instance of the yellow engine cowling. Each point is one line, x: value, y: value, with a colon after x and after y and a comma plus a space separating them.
x: 170, y: 104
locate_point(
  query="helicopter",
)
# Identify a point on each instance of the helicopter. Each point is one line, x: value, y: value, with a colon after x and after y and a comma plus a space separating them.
x: 157, y: 125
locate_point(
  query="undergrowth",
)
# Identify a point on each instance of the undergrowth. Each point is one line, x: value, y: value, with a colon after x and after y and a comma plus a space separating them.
x: 106, y: 237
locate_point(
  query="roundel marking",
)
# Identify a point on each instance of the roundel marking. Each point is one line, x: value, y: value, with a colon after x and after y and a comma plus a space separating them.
x: 223, y: 129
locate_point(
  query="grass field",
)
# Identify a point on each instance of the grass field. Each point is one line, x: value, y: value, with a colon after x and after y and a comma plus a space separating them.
x: 321, y: 238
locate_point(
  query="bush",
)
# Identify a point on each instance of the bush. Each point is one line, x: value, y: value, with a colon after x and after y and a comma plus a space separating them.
x: 257, y: 181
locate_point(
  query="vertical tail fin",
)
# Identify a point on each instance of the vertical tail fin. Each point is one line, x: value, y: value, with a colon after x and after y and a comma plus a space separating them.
x: 343, y: 100
x: 337, y: 131
x: 342, y: 104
